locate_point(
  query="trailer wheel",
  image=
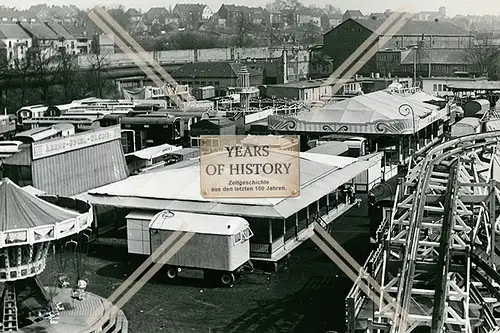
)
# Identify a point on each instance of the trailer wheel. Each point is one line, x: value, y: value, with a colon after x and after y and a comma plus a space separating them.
x: 227, y: 279
x: 172, y: 272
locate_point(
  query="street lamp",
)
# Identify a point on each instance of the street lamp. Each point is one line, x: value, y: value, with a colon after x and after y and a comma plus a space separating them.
x: 405, y: 110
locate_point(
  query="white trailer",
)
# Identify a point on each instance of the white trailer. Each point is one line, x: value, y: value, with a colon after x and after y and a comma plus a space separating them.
x: 218, y: 249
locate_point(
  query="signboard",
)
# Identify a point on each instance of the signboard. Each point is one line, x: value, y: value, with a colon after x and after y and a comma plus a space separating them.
x: 58, y: 146
x: 249, y: 166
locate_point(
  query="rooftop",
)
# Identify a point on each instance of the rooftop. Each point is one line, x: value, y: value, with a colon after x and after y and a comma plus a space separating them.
x: 12, y: 31
x: 418, y: 28
x: 319, y: 174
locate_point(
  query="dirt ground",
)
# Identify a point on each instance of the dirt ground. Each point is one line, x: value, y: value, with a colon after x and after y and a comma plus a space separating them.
x: 305, y: 296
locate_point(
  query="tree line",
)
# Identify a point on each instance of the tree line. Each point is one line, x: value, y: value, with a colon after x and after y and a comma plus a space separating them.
x: 46, y: 76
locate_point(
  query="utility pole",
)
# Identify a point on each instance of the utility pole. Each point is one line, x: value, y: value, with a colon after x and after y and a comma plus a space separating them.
x: 430, y: 55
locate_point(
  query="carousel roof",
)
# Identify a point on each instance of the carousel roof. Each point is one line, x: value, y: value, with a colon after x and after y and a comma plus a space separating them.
x: 379, y: 105
x: 20, y: 209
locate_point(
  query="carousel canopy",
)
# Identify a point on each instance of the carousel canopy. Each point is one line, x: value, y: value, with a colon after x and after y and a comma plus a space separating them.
x: 20, y: 209
x: 379, y: 105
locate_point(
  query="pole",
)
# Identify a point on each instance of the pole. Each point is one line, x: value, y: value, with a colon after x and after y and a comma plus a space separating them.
x: 415, y: 69
x: 430, y: 55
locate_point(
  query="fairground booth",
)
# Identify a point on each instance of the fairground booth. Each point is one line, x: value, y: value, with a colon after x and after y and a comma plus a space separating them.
x: 279, y: 224
x: 396, y: 123
x: 71, y: 164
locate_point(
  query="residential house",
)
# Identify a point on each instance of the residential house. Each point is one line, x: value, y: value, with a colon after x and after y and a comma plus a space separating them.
x: 9, y: 15
x: 134, y: 15
x: 67, y: 40
x: 157, y: 18
x: 15, y: 42
x: 84, y: 35
x: 44, y: 38
x: 352, y: 14
x: 276, y: 19
x: 340, y: 42
x: 232, y: 16
x: 41, y: 12
x: 330, y: 21
x: 308, y: 15
x: 192, y: 15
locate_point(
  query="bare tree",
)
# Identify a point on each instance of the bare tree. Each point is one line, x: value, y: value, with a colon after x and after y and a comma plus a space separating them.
x: 483, y: 59
x: 97, y: 82
x: 331, y: 9
x: 43, y: 63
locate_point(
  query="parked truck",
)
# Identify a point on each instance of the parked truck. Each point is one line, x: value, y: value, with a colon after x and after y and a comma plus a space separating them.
x: 219, y: 248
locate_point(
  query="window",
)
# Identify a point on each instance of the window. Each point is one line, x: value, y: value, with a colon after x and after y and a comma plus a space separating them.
x: 435, y: 87
x: 10, y: 43
x: 440, y: 87
x: 237, y: 238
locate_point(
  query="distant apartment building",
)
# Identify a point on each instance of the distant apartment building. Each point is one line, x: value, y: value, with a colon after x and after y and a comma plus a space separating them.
x: 83, y: 34
x: 14, y: 43
x: 67, y: 42
x: 308, y: 16
x: 9, y: 15
x: 46, y: 40
x: 330, y: 21
x: 192, y: 15
x: 44, y: 12
x: 232, y: 15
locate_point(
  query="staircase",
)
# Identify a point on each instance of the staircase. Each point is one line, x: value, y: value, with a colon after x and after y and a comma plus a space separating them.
x: 9, y: 309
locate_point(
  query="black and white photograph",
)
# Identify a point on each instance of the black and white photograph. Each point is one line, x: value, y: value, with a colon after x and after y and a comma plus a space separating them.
x: 279, y: 166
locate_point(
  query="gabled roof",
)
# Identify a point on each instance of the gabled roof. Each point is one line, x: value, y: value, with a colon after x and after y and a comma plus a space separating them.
x: 418, y: 28
x: 243, y: 9
x: 40, y: 31
x: 60, y: 30
x: 156, y: 11
x: 22, y: 210
x: 12, y: 31
x: 80, y: 30
x: 132, y: 12
x: 186, y: 7
x: 353, y: 13
x: 18, y: 14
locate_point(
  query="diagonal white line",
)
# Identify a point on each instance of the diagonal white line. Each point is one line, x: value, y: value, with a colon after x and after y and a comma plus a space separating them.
x: 137, y: 47
x: 158, y: 253
x: 346, y: 269
x: 142, y: 281
x: 355, y: 265
x: 133, y: 55
x: 362, y: 48
x: 370, y: 53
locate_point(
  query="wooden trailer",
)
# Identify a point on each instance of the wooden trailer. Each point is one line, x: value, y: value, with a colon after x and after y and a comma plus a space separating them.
x: 218, y: 250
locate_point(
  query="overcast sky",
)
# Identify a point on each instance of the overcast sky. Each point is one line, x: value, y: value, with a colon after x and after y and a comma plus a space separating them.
x: 453, y: 7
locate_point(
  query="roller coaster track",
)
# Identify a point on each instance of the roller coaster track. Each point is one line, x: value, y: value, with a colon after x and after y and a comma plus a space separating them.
x: 436, y: 254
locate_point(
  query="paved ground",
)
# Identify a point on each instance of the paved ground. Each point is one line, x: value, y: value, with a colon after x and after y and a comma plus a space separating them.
x: 306, y: 295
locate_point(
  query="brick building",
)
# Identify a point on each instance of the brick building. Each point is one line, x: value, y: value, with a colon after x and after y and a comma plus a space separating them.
x: 340, y: 42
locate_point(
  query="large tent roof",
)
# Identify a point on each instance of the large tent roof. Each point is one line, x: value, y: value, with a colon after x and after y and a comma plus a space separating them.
x: 178, y: 189
x: 379, y: 105
x: 20, y: 209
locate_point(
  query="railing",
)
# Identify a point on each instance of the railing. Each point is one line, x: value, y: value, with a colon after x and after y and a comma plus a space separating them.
x: 356, y: 297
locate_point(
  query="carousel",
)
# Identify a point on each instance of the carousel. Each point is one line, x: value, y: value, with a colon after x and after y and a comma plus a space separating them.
x: 32, y: 230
